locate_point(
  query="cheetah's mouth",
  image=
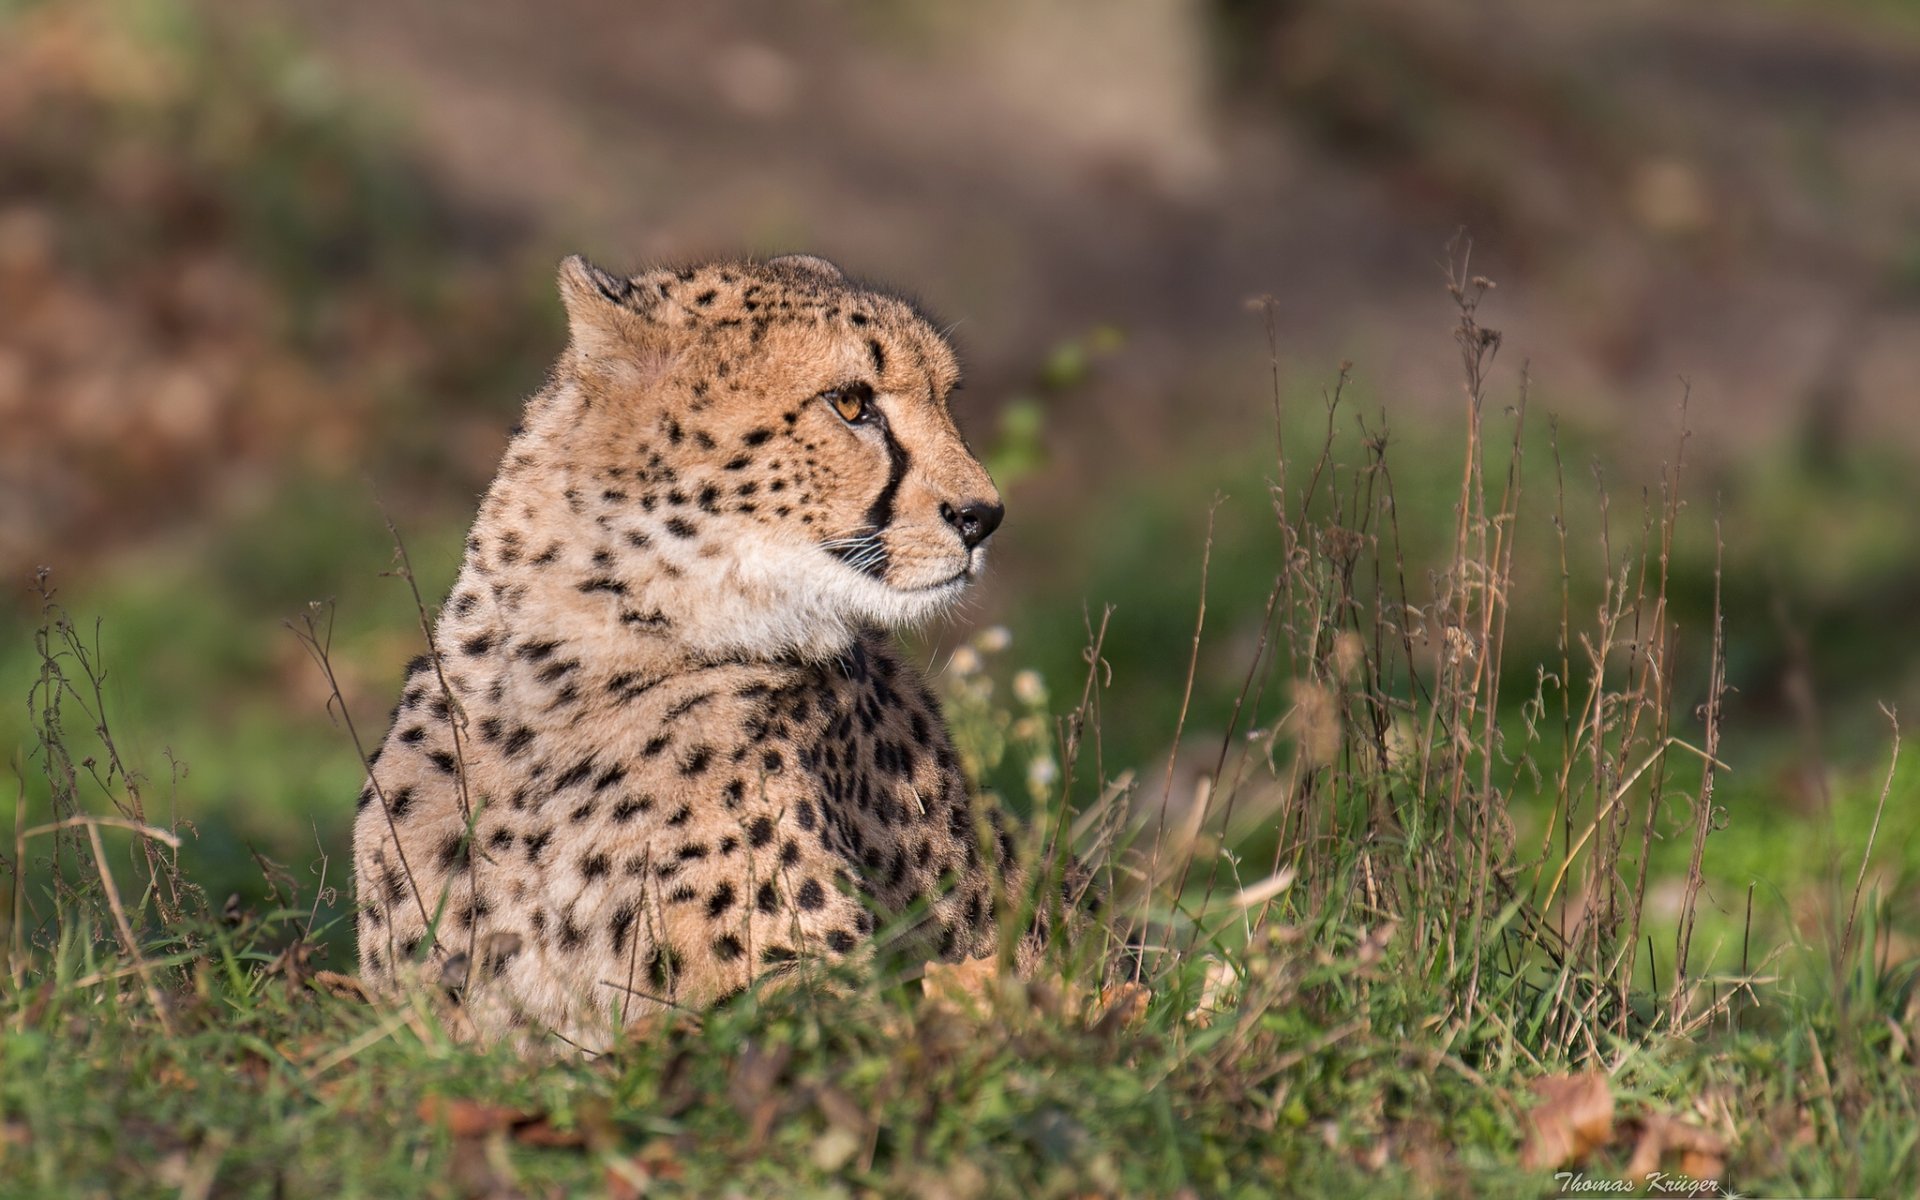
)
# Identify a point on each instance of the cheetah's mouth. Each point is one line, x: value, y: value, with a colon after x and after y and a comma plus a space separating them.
x: 955, y: 581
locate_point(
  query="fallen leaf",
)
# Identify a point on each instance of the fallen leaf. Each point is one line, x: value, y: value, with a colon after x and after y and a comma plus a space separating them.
x: 470, y: 1118
x: 1574, y: 1116
x: 1702, y: 1153
x: 473, y: 1119
x: 629, y: 1178
x: 753, y: 1087
x: 341, y: 987
x: 1122, y: 1006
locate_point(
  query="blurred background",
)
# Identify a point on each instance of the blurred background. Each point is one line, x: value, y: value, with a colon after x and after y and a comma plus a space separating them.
x: 274, y: 271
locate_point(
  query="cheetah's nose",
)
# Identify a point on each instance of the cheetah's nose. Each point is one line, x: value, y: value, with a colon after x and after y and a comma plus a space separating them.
x: 975, y: 520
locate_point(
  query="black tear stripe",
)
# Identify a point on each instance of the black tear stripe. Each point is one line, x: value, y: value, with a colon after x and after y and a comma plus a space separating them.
x: 880, y: 512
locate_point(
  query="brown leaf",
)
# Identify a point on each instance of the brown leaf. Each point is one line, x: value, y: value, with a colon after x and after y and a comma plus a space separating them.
x: 1702, y: 1153
x: 341, y: 987
x: 1123, y: 1006
x: 542, y: 1132
x: 753, y: 1087
x: 473, y: 1119
x: 629, y: 1178
x: 1574, y: 1116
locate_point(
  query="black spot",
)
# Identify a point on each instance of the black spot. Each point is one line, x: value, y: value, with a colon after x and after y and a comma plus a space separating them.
x: 720, y: 901
x: 771, y: 761
x: 576, y: 774
x: 582, y: 812
x: 534, y: 843
x: 490, y: 729
x: 696, y: 760
x: 629, y: 807
x: 727, y: 947
x: 517, y: 741
x: 399, y: 801
x: 879, y: 356
x: 757, y: 437
x: 760, y: 832
x: 740, y: 463
x: 535, y: 651
x: 413, y: 735
x: 840, y: 941
x: 767, y: 898
x: 690, y: 851
x: 680, y: 815
x: 663, y: 967
x: 479, y: 643
x: 789, y: 852
x: 622, y: 924
x: 452, y: 851
x: 365, y: 798
x: 777, y: 954
x: 680, y: 528
x: 609, y: 777
x: 594, y: 866
x: 812, y: 896
x: 603, y: 583
x: 500, y: 839
x: 654, y: 745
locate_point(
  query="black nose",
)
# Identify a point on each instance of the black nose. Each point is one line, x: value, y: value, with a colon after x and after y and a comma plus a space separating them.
x: 975, y: 520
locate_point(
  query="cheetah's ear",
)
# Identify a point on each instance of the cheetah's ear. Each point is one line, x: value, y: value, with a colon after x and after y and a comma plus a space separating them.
x: 606, y: 316
x: 808, y: 264
x: 586, y: 290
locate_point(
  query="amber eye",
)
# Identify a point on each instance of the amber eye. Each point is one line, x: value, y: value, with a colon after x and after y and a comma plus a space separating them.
x: 854, y: 402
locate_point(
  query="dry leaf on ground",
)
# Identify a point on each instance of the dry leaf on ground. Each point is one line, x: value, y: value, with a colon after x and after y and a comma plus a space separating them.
x: 1702, y: 1153
x: 1121, y: 1007
x: 473, y: 1119
x: 341, y: 987
x: 629, y: 1179
x: 1574, y: 1116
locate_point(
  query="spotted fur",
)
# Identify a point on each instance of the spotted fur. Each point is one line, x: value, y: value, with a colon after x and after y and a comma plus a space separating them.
x: 665, y: 745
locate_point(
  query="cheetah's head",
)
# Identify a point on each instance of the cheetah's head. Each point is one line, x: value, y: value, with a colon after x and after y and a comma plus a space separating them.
x: 775, y: 440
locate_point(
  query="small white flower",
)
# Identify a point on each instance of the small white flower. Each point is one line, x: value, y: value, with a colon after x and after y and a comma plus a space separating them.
x: 994, y: 639
x: 965, y: 662
x: 1041, y: 773
x: 1029, y: 688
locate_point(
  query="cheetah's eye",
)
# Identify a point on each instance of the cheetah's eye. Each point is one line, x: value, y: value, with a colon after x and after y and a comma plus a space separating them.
x: 853, y: 401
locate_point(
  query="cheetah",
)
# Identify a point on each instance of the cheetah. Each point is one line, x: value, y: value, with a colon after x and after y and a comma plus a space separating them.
x: 665, y: 745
